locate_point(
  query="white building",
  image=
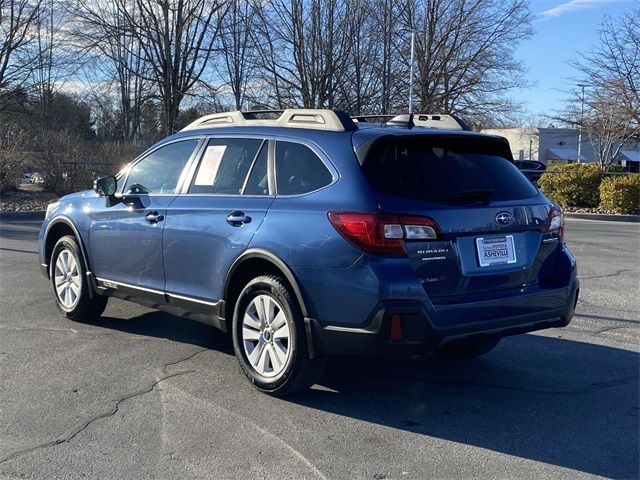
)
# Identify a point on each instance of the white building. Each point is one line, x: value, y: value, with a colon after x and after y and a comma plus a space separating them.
x: 558, y: 145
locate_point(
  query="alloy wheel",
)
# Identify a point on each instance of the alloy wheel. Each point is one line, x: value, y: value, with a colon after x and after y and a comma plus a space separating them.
x: 266, y: 336
x: 67, y: 279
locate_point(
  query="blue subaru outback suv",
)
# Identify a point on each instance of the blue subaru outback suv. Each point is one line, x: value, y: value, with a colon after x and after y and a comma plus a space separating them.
x: 307, y: 234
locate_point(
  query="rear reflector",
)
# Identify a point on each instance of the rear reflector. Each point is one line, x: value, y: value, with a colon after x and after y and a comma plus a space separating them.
x: 383, y: 234
x: 395, y: 332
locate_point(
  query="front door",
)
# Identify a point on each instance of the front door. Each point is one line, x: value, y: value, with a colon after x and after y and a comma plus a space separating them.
x: 126, y: 235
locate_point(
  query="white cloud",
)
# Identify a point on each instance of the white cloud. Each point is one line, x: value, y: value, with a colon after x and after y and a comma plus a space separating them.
x: 572, y: 5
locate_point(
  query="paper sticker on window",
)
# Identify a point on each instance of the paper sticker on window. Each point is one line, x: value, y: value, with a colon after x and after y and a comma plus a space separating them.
x: 209, y: 165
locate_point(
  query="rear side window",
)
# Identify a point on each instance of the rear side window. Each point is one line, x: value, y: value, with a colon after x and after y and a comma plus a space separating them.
x: 299, y: 170
x: 224, y: 165
x: 454, y: 169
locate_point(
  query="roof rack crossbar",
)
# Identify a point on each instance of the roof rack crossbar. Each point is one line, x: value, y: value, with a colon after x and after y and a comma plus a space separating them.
x: 320, y: 119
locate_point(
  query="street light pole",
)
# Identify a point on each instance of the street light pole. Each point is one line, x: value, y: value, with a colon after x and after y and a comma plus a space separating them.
x: 411, y: 62
x: 581, y: 85
x: 413, y: 42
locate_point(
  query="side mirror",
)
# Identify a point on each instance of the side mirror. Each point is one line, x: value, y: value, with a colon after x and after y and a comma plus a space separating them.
x: 105, y: 186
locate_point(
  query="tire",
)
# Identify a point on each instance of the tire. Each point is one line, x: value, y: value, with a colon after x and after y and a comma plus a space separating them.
x: 468, y: 348
x: 269, y: 339
x: 71, y: 293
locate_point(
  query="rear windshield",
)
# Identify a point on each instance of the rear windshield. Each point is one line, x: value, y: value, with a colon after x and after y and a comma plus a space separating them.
x: 449, y: 170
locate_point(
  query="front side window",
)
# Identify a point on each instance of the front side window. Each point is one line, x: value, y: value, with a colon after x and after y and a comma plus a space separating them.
x: 299, y: 170
x: 224, y: 165
x: 160, y: 171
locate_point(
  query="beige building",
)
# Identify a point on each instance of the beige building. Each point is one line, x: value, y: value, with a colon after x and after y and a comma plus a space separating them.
x: 559, y: 145
x: 547, y: 145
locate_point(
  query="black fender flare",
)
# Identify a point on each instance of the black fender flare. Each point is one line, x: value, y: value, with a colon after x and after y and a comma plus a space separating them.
x: 277, y: 262
x: 69, y: 223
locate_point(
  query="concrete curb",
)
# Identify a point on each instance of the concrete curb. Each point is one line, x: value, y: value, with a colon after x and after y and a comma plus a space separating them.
x: 37, y: 215
x: 604, y: 217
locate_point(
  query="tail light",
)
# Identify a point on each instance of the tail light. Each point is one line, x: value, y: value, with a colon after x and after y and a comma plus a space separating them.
x: 383, y: 234
x: 555, y: 222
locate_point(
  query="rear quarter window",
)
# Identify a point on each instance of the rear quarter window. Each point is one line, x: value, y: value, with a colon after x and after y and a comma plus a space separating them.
x: 432, y: 168
x: 299, y: 170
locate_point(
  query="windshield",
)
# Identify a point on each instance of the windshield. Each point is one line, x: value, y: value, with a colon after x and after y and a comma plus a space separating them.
x: 449, y: 170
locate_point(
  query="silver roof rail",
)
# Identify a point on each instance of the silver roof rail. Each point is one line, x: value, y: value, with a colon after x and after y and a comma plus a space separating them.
x: 427, y: 120
x: 318, y: 119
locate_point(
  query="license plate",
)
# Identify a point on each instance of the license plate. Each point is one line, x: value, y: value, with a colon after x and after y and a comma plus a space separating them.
x: 497, y: 250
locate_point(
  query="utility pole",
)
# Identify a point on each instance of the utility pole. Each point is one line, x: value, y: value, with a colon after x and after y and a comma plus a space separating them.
x: 581, y: 85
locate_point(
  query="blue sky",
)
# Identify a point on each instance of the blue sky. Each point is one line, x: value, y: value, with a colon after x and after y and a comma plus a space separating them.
x: 563, y: 28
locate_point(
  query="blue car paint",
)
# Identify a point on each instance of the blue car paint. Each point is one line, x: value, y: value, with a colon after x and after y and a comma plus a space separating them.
x: 124, y: 246
x: 199, y: 244
x: 191, y: 252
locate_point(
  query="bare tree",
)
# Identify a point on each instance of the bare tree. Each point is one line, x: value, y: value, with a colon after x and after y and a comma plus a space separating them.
x: 363, y: 82
x: 305, y: 47
x: 177, y: 39
x: 17, y: 18
x: 465, y: 53
x: 52, y: 57
x: 102, y: 32
x: 238, y: 62
x: 616, y: 61
x: 607, y: 123
x: 611, y: 103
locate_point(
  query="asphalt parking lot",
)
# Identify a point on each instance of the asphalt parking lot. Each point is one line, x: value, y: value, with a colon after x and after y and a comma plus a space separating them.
x: 142, y: 394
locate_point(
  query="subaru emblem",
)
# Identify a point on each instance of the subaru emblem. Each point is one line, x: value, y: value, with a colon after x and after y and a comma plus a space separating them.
x: 504, y: 218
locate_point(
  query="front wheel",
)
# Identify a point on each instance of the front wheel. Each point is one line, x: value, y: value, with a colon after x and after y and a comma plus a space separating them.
x: 269, y: 338
x: 70, y: 285
x: 468, y: 348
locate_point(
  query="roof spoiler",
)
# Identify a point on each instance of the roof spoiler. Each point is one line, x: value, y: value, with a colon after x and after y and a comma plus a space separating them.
x: 412, y: 120
x: 446, y: 122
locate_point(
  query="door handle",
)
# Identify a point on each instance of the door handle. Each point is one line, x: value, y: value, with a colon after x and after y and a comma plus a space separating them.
x: 237, y: 219
x: 154, y: 217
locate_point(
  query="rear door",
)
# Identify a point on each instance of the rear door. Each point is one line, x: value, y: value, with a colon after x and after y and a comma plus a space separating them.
x: 492, y: 220
x: 212, y: 222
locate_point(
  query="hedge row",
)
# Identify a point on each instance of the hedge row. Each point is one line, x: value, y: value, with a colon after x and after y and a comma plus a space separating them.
x: 621, y: 194
x: 584, y: 185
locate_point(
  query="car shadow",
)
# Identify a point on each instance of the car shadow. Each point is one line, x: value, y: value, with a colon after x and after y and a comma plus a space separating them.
x: 555, y: 401
x: 163, y: 325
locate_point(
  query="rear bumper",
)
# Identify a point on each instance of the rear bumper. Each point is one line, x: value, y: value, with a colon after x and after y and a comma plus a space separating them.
x: 421, y: 334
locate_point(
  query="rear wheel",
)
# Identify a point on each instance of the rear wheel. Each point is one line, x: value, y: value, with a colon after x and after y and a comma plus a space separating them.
x: 468, y: 348
x: 269, y: 338
x: 69, y: 282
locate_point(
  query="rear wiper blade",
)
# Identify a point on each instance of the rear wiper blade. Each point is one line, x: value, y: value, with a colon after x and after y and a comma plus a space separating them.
x: 472, y: 196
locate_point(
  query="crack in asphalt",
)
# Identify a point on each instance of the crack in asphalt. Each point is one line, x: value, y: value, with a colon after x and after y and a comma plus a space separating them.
x: 18, y: 250
x: 80, y: 332
x: 626, y: 342
x: 608, y: 329
x: 603, y: 307
x: 614, y: 274
x: 112, y: 409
